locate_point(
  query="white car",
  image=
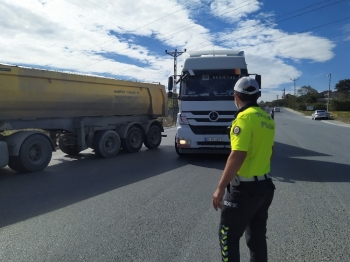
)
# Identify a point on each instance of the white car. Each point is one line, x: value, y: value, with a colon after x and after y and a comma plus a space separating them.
x: 319, y: 114
x: 277, y: 109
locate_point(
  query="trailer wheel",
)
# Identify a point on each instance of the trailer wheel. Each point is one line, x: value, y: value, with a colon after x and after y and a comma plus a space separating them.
x: 106, y: 143
x: 153, y: 137
x: 71, y: 150
x: 35, y: 154
x: 133, y: 141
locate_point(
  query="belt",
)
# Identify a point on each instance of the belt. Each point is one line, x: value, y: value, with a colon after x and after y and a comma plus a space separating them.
x: 254, y: 178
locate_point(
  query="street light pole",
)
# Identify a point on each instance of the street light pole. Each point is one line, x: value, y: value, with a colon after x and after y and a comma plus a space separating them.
x: 329, y: 89
x: 295, y: 92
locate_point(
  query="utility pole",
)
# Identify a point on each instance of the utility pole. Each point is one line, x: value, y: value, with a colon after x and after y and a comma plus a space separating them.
x: 175, y: 55
x: 175, y: 105
x: 329, y: 90
x: 295, y: 91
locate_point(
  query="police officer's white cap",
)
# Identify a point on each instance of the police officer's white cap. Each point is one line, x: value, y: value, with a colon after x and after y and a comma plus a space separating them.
x: 247, y: 85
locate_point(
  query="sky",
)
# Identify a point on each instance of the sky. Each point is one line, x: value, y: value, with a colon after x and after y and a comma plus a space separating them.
x: 282, y: 40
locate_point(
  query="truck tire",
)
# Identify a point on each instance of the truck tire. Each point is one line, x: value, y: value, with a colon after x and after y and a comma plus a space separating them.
x: 35, y: 154
x: 106, y: 143
x: 71, y: 150
x: 133, y: 141
x: 14, y: 164
x: 4, y: 155
x: 153, y: 137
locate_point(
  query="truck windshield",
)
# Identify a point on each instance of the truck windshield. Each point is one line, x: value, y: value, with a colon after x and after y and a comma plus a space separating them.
x: 207, y: 87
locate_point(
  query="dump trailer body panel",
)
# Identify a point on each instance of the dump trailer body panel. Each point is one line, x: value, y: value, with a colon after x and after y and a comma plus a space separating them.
x: 34, y: 93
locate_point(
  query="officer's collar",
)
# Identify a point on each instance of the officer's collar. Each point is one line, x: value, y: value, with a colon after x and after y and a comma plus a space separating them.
x: 245, y: 107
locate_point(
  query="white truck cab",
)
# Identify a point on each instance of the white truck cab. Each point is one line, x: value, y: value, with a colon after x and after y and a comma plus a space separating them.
x: 206, y: 101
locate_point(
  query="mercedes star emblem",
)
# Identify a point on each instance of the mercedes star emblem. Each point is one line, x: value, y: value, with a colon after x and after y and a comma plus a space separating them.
x: 213, y: 116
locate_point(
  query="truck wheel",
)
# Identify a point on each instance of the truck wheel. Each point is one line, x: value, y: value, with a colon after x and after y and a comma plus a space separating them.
x: 106, y: 143
x: 4, y: 155
x: 71, y: 150
x: 153, y: 137
x: 14, y: 164
x: 133, y: 141
x: 35, y: 154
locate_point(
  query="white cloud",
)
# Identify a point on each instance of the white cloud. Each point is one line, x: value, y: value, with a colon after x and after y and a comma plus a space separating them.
x: 346, y: 30
x: 83, y: 36
x: 234, y: 10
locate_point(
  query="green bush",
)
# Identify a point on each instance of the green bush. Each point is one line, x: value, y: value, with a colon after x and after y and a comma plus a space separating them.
x: 320, y: 107
x: 301, y: 107
x: 340, y: 105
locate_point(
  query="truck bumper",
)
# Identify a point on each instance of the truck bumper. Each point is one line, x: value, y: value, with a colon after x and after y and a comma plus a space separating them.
x: 205, y: 150
x: 190, y: 143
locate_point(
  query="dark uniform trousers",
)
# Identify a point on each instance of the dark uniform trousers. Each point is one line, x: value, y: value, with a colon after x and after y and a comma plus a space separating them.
x: 245, y: 209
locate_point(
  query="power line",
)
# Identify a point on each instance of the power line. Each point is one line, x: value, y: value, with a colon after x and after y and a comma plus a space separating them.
x: 302, y: 31
x: 188, y: 27
x: 257, y: 29
x: 167, y: 37
x: 306, y: 7
x: 112, y: 23
x: 163, y: 39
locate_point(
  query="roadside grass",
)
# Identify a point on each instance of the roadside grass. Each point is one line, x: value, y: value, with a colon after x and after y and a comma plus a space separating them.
x: 342, y: 116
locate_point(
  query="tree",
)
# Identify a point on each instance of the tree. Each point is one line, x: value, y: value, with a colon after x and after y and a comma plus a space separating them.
x: 343, y: 86
x: 306, y: 90
x: 307, y: 94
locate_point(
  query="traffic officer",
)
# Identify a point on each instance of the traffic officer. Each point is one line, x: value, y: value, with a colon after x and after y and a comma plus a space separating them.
x: 250, y: 190
x: 272, y: 113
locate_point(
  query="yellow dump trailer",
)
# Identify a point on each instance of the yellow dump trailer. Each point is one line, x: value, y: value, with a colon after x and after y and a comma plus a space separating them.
x: 33, y: 93
x: 77, y: 111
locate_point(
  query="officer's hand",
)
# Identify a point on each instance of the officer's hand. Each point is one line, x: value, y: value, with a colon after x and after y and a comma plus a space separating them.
x: 217, y: 198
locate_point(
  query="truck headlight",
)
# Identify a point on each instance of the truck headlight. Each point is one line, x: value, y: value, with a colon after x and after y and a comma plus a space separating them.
x: 184, y: 141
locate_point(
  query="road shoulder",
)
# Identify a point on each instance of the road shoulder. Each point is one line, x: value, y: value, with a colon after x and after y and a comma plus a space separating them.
x: 331, y: 122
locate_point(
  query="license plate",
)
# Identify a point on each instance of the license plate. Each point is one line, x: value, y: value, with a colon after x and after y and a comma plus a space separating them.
x: 212, y: 139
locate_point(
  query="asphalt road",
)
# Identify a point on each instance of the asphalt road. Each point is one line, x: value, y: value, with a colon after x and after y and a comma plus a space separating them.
x: 155, y: 206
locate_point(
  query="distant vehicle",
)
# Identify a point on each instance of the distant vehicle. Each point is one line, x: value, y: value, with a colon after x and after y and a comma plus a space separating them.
x: 272, y: 114
x: 277, y: 109
x: 319, y: 114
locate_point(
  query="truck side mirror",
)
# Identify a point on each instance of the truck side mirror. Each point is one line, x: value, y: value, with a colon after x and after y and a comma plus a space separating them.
x: 170, y: 83
x: 170, y: 94
x: 258, y: 79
